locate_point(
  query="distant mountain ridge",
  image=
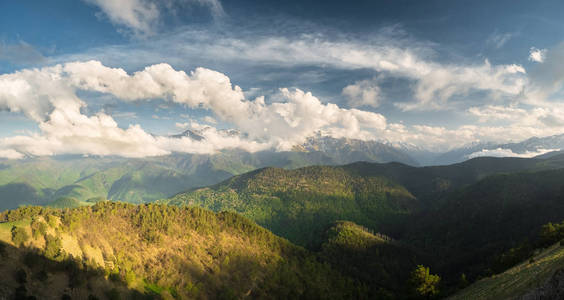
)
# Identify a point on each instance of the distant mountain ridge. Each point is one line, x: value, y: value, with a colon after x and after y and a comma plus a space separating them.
x: 41, y: 180
x: 528, y: 148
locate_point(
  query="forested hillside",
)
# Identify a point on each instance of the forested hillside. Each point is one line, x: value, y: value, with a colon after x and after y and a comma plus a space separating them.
x: 300, y: 204
x: 459, y: 219
x: 115, y: 251
x: 480, y: 221
x: 381, y: 263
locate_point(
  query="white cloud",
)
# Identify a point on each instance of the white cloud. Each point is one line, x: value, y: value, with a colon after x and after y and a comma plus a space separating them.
x: 434, y: 82
x: 499, y: 40
x: 365, y: 92
x: 490, y: 113
x: 48, y: 96
x: 125, y: 115
x: 546, y: 78
x: 210, y: 120
x: 141, y: 17
x: 138, y: 15
x: 182, y: 125
x: 550, y: 119
x: 10, y: 154
x: 501, y: 152
x: 537, y: 55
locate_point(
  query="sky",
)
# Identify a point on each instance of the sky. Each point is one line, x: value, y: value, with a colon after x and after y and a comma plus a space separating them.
x: 103, y: 77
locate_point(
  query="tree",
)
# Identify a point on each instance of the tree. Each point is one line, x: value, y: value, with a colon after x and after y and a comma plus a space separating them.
x: 423, y: 283
x: 19, y: 235
x: 53, y: 247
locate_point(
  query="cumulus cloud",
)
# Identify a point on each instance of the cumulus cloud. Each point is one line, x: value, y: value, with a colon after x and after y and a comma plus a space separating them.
x: 546, y: 78
x: 537, y: 55
x: 49, y: 97
x: 433, y: 82
x: 361, y: 93
x: 501, y: 152
x: 141, y: 17
x: 10, y: 154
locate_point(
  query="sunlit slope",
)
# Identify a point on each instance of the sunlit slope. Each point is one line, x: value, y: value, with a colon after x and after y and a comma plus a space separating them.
x: 522, y: 279
x: 163, y: 251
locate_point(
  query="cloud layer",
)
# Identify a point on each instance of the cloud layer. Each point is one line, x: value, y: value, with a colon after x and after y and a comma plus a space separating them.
x: 49, y: 97
x: 501, y: 152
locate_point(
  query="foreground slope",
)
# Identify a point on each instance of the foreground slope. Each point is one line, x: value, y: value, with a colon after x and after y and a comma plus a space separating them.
x: 158, y: 251
x: 542, y: 277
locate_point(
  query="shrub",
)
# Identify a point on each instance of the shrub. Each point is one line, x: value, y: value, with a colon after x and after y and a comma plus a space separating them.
x: 38, y: 228
x: 53, y: 247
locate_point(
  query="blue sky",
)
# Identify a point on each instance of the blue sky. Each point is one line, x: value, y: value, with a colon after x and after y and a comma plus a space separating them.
x: 431, y: 74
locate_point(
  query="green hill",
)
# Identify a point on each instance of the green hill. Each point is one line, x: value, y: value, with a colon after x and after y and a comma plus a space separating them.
x: 379, y: 196
x: 68, y: 202
x: 37, y: 181
x: 378, y: 261
x: 158, y: 251
x: 300, y: 204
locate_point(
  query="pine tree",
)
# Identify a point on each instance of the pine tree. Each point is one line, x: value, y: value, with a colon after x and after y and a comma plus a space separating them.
x: 424, y: 284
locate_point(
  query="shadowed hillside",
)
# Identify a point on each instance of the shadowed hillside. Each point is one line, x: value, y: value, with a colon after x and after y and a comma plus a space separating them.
x: 482, y: 220
x: 382, y: 264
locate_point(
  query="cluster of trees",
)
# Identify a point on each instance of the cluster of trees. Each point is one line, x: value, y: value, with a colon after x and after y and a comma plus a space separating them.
x: 173, y: 251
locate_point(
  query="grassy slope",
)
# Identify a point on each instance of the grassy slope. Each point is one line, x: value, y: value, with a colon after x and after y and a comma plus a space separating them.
x: 287, y: 201
x: 167, y: 251
x: 519, y: 279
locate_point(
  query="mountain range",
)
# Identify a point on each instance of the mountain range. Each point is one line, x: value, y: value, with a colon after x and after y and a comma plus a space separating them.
x: 365, y: 226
